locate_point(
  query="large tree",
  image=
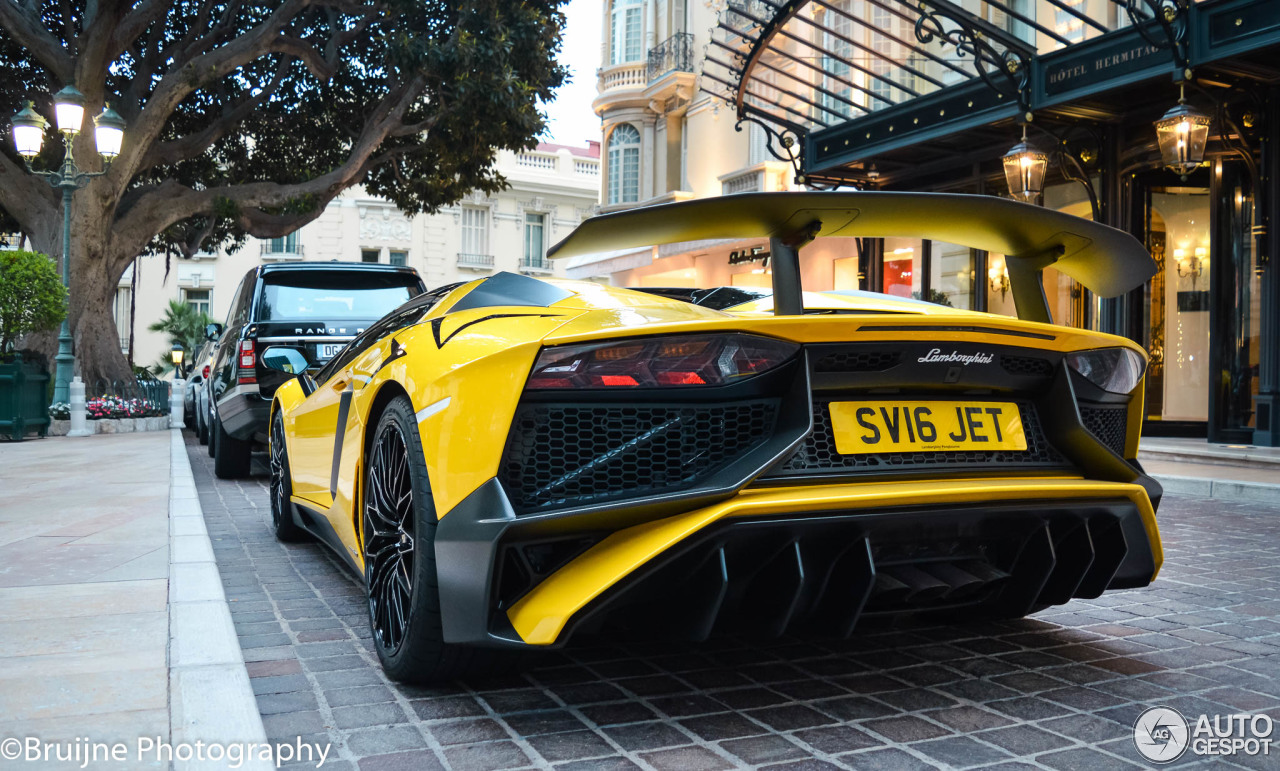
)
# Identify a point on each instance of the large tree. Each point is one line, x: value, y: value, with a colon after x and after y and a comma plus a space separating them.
x: 247, y: 118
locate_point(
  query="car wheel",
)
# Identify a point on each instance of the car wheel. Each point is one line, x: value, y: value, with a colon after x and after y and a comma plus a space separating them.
x: 202, y: 425
x: 211, y: 420
x: 231, y: 456
x: 398, y: 525
x: 281, y: 486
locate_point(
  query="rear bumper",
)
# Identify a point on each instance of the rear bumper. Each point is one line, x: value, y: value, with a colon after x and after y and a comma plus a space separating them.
x: 779, y: 560
x: 244, y: 411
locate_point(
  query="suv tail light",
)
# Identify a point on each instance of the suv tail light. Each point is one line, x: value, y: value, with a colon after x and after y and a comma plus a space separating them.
x: 246, y: 370
x: 660, y: 362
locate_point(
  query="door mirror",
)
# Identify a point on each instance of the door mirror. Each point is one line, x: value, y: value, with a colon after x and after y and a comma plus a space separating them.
x: 288, y: 360
x: 213, y: 331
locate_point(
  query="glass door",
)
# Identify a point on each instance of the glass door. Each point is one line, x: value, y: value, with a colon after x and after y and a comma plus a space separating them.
x: 1176, y: 307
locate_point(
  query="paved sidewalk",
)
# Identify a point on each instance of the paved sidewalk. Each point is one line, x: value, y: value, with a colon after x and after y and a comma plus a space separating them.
x: 1060, y: 690
x: 1226, y: 472
x: 84, y: 566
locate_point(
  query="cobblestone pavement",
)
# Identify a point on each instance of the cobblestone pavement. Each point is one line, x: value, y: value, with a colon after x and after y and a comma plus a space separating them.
x: 1060, y: 690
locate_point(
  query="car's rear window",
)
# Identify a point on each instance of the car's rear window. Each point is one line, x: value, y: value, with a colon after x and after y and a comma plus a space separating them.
x: 333, y: 295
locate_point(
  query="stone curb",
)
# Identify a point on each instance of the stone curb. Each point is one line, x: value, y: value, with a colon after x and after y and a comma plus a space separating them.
x: 210, y: 698
x: 1220, y: 489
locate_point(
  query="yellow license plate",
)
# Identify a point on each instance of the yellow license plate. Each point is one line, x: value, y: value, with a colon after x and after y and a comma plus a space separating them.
x: 911, y: 426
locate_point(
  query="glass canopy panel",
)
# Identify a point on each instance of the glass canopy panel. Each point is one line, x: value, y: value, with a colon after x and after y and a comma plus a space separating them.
x: 810, y: 64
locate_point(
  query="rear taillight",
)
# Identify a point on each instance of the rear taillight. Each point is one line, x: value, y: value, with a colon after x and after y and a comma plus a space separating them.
x: 204, y: 373
x: 246, y: 371
x: 687, y: 360
x: 1117, y: 370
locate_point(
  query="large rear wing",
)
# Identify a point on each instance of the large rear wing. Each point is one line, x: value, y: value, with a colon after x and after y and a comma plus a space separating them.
x: 1108, y: 261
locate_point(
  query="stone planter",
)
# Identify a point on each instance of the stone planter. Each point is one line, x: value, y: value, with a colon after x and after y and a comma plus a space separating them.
x: 114, y: 425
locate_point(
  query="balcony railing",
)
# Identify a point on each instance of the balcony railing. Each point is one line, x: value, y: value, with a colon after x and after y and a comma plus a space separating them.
x: 475, y: 260
x: 540, y: 161
x: 272, y: 251
x: 535, y: 264
x: 628, y: 75
x: 586, y: 168
x: 675, y: 54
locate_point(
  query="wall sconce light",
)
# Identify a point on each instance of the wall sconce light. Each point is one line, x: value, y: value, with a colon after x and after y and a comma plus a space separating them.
x: 1024, y: 169
x: 998, y: 277
x: 1182, y: 133
x: 1191, y: 266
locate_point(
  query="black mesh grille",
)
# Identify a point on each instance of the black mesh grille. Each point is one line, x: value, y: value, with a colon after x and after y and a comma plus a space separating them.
x: 857, y: 361
x: 1109, y: 424
x: 1026, y: 365
x: 818, y: 453
x: 564, y: 455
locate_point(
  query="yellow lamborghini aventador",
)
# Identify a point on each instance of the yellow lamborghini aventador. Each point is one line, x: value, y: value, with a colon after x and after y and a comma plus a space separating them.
x: 513, y: 462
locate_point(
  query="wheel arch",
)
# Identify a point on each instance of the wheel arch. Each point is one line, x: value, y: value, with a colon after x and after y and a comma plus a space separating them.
x: 387, y: 392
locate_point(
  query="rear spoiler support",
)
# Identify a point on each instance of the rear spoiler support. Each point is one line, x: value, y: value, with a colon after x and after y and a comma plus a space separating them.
x: 784, y: 253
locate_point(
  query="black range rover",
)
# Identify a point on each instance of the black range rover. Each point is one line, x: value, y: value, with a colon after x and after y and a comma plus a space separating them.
x: 315, y: 307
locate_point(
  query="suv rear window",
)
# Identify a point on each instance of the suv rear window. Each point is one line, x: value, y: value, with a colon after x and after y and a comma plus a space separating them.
x: 333, y: 295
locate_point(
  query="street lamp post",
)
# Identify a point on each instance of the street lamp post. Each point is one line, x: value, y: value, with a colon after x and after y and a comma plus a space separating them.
x: 28, y: 137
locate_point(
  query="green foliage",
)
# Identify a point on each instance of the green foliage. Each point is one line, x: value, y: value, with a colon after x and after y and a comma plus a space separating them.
x: 935, y: 297
x: 185, y: 326
x: 32, y: 298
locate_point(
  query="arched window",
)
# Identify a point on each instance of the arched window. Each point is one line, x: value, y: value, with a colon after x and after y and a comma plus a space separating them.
x: 626, y: 31
x: 624, y: 164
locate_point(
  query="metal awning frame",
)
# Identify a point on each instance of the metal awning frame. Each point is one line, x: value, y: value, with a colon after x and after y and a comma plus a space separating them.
x: 1001, y: 61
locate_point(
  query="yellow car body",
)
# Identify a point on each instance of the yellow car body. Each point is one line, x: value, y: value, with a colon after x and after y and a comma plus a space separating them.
x: 783, y: 544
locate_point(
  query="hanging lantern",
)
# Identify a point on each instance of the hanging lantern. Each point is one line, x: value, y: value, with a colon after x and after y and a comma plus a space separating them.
x: 1024, y: 169
x: 1183, y: 133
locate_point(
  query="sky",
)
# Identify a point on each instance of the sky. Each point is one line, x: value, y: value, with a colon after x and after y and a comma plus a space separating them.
x: 570, y: 119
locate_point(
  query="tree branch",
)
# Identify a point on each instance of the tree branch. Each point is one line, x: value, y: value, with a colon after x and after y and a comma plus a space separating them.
x: 135, y: 23
x: 23, y: 23
x: 162, y: 153
x: 170, y: 202
x: 27, y: 198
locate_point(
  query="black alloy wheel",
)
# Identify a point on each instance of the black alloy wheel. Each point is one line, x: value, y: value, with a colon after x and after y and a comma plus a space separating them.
x: 397, y: 538
x: 389, y: 538
x: 281, y: 485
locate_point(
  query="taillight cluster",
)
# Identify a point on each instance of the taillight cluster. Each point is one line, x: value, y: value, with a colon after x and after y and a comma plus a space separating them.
x: 204, y: 373
x: 660, y: 362
x: 246, y: 372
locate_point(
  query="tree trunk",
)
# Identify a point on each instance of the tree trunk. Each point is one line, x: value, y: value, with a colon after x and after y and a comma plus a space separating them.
x: 94, y: 275
x: 97, y: 343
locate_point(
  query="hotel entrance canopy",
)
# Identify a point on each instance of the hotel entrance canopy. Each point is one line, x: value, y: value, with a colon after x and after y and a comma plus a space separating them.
x: 838, y: 84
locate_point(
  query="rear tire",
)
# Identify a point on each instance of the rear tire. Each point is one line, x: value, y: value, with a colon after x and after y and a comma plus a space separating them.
x: 231, y: 456
x: 281, y: 485
x: 202, y: 424
x: 398, y: 527
x: 211, y: 421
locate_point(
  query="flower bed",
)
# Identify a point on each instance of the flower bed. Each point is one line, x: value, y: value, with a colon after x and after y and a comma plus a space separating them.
x: 116, y: 407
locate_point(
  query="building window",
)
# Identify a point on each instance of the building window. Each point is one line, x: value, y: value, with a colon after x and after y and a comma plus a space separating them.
x: 534, y: 245
x: 286, y: 245
x: 370, y: 255
x: 399, y: 257
x: 626, y: 24
x: 123, y: 314
x: 880, y: 66
x: 624, y: 164
x: 836, y: 70
x: 197, y: 298
x: 475, y: 231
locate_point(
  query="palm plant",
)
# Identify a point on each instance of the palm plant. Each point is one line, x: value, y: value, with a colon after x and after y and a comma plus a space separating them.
x: 185, y: 325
